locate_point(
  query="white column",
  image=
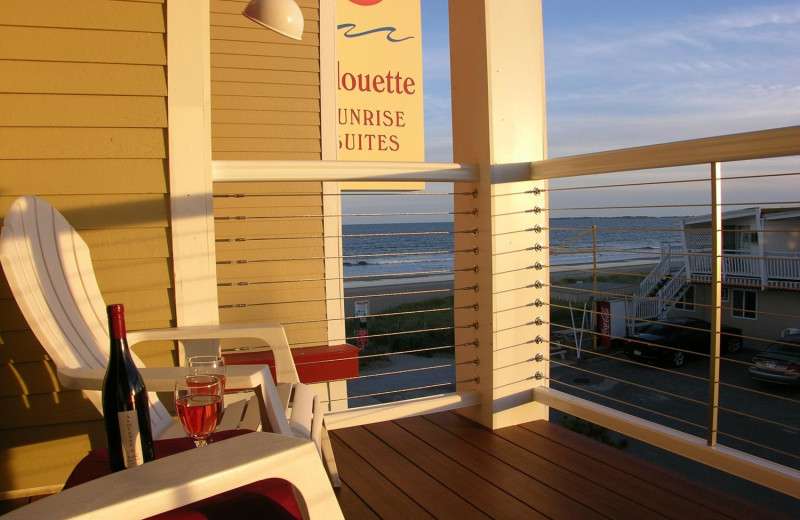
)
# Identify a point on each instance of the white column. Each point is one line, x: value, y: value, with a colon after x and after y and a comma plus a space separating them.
x: 497, y: 67
x: 331, y: 193
x: 191, y: 202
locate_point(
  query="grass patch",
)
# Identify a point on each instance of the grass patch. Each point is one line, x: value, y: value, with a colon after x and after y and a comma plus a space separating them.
x: 410, y: 327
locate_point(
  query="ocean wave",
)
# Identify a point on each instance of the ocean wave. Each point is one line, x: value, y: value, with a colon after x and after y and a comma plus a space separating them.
x: 399, y: 261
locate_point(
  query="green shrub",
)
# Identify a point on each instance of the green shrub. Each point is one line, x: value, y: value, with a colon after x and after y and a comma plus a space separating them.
x: 591, y: 430
x: 409, y: 327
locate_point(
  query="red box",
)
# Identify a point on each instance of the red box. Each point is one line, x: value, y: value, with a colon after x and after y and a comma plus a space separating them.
x: 314, y: 364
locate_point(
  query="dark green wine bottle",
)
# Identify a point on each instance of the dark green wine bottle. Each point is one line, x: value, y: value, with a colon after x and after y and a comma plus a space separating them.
x: 125, y: 404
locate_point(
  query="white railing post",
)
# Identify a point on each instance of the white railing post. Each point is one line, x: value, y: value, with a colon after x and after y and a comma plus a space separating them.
x: 499, y: 119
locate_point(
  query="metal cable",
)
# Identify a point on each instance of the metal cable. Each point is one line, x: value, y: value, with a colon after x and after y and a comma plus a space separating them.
x: 758, y: 444
x: 534, y: 191
x: 672, y: 394
x: 473, y: 231
x: 347, y: 194
x: 407, y: 332
x: 405, y: 390
x: 627, y: 404
x: 361, y: 277
x: 344, y: 298
x: 346, y: 257
x: 761, y: 392
x: 760, y: 419
x: 661, y: 300
x: 317, y: 216
x: 678, y: 181
x: 632, y: 362
x: 368, y: 356
x: 643, y: 387
x: 664, y: 206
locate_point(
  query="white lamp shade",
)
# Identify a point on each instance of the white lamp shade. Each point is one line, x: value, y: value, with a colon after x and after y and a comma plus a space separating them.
x: 282, y: 16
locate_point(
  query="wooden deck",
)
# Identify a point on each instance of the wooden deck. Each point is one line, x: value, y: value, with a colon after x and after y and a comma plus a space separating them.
x: 444, y: 466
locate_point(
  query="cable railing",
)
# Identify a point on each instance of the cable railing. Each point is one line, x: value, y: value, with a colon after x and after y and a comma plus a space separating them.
x: 659, y: 364
x: 397, y: 289
x: 684, y: 396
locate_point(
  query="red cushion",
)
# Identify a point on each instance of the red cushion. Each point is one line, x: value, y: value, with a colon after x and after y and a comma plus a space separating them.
x: 270, y: 498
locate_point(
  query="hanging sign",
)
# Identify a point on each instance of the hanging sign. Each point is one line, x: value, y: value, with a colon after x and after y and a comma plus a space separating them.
x: 362, y: 310
x: 379, y: 80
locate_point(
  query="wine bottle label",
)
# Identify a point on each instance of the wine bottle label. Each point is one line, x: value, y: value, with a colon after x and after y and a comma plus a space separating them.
x: 131, y: 438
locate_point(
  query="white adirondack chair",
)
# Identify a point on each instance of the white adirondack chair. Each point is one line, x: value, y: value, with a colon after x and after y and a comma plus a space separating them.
x: 190, y: 476
x: 50, y: 272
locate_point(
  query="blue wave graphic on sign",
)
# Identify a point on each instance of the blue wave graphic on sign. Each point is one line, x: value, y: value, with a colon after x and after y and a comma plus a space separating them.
x: 388, y: 30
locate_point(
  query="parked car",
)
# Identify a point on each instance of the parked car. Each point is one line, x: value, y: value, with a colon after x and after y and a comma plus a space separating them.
x: 778, y: 363
x: 672, y: 340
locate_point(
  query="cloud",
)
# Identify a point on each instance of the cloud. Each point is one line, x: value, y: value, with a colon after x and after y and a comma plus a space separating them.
x: 653, y: 72
x: 674, y: 77
x: 759, y: 16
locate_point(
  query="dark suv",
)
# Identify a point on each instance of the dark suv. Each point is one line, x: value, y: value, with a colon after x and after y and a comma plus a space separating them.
x: 672, y: 340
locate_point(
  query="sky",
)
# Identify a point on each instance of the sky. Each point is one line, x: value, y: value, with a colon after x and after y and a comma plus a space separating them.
x: 622, y: 73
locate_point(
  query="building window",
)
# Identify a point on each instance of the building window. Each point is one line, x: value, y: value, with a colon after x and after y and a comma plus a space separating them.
x: 686, y: 303
x: 734, y: 238
x: 725, y: 294
x: 743, y: 304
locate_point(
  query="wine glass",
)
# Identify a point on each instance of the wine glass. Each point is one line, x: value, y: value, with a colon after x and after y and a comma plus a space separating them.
x: 210, y: 365
x: 198, y: 401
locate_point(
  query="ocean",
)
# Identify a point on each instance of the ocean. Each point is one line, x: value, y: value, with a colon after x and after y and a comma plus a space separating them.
x: 426, y: 249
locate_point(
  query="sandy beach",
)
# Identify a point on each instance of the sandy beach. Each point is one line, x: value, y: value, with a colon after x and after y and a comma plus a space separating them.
x: 384, y: 293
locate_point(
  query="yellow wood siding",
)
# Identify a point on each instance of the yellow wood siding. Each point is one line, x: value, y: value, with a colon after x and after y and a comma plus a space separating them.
x: 83, y: 104
x: 265, y: 104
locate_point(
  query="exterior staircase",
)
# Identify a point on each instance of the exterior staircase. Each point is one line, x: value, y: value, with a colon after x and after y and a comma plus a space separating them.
x: 661, y: 289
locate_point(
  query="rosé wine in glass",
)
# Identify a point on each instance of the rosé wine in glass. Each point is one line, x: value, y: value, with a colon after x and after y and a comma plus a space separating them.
x: 211, y: 365
x: 198, y: 401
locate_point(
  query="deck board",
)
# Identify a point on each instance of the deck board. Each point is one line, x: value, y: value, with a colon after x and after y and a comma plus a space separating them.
x: 620, y: 486
x: 697, y: 492
x: 478, y: 458
x: 451, y: 474
x: 513, y: 447
x: 350, y: 502
x: 445, y: 466
x: 412, y: 481
x: 374, y: 490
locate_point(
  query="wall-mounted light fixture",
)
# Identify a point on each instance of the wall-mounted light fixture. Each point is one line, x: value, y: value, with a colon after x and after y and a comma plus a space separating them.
x: 282, y: 16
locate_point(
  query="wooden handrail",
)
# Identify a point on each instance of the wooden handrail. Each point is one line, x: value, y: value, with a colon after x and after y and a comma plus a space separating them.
x: 236, y: 171
x: 777, y: 142
x: 762, y: 144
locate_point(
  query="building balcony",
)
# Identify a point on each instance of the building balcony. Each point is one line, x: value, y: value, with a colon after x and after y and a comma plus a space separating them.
x: 482, y: 442
x: 410, y: 446
x: 474, y: 431
x: 774, y: 270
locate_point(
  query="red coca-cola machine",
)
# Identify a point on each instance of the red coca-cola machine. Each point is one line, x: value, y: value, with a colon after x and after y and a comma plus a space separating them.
x: 610, y: 319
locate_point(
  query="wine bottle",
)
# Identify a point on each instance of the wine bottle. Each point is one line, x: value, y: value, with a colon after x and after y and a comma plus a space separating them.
x: 125, y: 404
